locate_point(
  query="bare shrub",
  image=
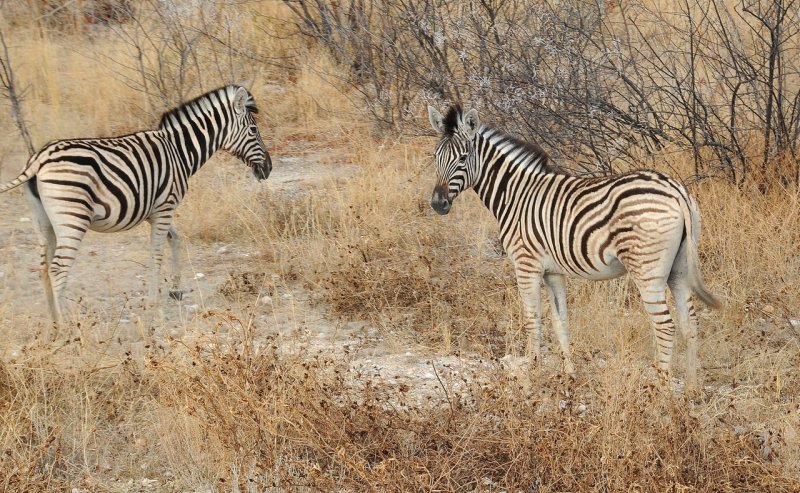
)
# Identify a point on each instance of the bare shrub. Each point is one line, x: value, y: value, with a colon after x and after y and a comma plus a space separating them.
x: 428, y: 284
x: 600, y: 86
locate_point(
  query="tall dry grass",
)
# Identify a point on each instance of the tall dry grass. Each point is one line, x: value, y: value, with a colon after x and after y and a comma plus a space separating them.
x: 245, y: 414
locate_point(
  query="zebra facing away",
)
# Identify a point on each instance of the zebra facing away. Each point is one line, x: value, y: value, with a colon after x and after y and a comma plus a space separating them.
x: 555, y: 225
x: 114, y: 184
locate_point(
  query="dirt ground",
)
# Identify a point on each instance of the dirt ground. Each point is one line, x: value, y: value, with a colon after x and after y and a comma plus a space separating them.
x: 107, y: 286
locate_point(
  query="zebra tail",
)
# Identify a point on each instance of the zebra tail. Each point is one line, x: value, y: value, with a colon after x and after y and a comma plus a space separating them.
x: 692, y: 239
x: 29, y: 172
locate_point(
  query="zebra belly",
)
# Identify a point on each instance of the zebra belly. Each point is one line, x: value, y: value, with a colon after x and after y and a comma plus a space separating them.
x: 110, y: 227
x: 104, y: 223
x: 612, y: 269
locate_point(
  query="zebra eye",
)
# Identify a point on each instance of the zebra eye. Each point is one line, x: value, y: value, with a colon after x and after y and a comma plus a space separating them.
x: 462, y: 158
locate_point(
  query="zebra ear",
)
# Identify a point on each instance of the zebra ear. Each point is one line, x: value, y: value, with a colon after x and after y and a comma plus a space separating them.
x: 436, y: 119
x: 470, y: 123
x: 240, y: 100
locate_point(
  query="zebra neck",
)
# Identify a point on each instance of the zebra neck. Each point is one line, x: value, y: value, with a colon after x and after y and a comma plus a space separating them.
x: 506, y: 166
x: 195, y: 135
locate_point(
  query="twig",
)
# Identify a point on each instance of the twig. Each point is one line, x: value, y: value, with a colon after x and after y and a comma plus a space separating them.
x: 441, y: 384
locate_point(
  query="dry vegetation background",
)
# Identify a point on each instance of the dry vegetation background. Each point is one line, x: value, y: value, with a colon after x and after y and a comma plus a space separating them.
x: 227, y: 405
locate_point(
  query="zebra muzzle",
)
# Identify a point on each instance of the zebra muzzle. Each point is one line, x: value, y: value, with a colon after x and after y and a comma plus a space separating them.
x: 440, y: 202
x: 263, y: 169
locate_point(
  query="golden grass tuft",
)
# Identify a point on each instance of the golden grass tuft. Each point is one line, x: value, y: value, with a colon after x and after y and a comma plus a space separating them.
x: 249, y: 416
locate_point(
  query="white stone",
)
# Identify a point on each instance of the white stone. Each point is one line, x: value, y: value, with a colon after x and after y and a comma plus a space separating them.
x: 199, y: 275
x: 266, y: 300
x: 24, y: 219
x: 222, y: 249
x: 192, y: 307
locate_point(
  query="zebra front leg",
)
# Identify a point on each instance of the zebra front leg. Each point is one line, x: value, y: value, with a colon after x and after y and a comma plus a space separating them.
x: 159, y: 228
x: 174, y: 240
x: 557, y: 292
x: 529, y: 284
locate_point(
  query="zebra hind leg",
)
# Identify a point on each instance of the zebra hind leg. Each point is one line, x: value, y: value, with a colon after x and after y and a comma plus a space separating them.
x: 685, y: 314
x: 654, y: 297
x: 687, y: 322
x: 47, y: 245
x: 69, y: 232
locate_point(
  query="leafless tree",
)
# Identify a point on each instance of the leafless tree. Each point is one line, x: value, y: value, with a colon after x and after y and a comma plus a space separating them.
x: 10, y: 90
x: 602, y: 85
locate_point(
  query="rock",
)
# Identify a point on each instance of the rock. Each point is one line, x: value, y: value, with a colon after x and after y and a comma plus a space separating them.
x: 191, y: 308
x: 199, y: 275
x: 795, y: 322
x: 265, y: 300
x: 221, y: 250
x: 768, y: 309
x: 24, y: 219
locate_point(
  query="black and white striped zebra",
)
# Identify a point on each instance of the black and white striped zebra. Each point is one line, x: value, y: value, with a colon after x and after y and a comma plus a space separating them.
x: 555, y: 225
x: 114, y: 184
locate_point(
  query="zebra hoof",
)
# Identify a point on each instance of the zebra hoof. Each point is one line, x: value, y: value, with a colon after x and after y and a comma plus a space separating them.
x: 177, y: 294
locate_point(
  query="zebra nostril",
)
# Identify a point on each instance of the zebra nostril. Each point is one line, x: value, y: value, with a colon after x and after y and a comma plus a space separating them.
x: 440, y: 205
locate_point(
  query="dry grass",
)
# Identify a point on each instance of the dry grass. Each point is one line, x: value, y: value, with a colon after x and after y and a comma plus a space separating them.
x: 243, y: 413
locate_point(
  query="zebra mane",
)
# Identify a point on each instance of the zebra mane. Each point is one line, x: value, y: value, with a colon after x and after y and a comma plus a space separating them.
x: 450, y: 120
x: 534, y: 153
x: 176, y: 111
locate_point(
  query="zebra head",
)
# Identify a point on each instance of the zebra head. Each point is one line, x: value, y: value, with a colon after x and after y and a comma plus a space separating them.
x: 244, y: 140
x: 455, y: 156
